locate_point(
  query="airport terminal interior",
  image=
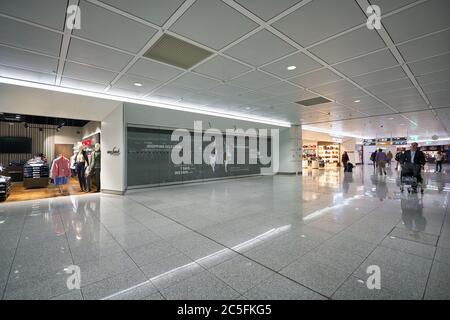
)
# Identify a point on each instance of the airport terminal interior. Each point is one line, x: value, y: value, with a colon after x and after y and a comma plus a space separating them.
x: 224, y: 150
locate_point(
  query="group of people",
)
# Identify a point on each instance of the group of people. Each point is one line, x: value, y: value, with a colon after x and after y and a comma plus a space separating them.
x: 380, y: 159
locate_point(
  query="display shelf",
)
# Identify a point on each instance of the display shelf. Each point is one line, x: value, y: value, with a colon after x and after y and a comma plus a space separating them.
x: 330, y: 154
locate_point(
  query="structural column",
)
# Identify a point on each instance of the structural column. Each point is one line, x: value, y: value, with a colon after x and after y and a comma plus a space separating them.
x: 291, y: 150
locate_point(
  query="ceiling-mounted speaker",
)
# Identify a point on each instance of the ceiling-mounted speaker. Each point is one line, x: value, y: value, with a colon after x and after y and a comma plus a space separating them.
x: 435, y: 137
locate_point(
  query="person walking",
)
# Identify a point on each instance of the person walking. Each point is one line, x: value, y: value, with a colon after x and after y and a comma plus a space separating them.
x: 398, y: 157
x: 416, y: 159
x: 381, y: 159
x: 373, y: 157
x: 439, y: 158
x: 345, y: 160
x: 389, y: 158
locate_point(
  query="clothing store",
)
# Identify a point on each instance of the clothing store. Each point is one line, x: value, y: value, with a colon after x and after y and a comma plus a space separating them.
x: 44, y: 157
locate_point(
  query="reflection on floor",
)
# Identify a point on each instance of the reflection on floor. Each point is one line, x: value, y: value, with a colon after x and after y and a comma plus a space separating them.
x: 19, y: 193
x: 282, y: 237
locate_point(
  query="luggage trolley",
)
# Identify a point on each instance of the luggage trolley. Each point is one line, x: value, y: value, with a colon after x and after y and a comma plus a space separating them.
x: 410, y: 177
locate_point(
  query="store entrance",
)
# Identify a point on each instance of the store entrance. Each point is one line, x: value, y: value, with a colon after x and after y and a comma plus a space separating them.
x: 45, y: 157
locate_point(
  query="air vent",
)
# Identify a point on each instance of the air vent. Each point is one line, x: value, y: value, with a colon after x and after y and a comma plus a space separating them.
x: 313, y: 101
x: 176, y: 52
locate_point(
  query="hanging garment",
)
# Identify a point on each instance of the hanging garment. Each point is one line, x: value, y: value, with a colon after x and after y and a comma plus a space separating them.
x: 60, y: 168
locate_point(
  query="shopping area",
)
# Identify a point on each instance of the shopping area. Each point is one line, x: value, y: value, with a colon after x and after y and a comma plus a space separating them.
x: 324, y: 151
x: 44, y: 157
x: 195, y: 150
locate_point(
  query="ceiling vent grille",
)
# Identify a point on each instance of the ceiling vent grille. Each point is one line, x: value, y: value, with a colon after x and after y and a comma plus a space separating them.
x: 313, y: 101
x: 176, y: 52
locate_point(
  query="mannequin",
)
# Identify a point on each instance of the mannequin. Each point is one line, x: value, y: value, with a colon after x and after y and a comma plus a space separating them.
x: 60, y: 172
x: 82, y: 162
x: 96, y: 159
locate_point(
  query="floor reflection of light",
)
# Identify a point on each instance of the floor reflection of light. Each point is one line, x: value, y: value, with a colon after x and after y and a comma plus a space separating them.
x: 191, y: 265
x: 319, y: 212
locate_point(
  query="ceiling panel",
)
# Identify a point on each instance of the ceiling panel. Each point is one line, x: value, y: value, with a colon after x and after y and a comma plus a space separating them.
x: 439, y: 98
x: 125, y: 93
x: 213, y: 23
x: 254, y: 80
x: 90, y: 74
x: 369, y: 63
x: 395, y: 85
x: 409, y: 91
x: 201, y: 99
x: 435, y: 64
x: 315, y: 78
x: 28, y: 37
x: 226, y: 90
x: 270, y: 102
x: 337, y: 86
x: 302, y: 62
x: 380, y: 76
x: 349, y: 45
x: 221, y: 68
x: 439, y: 76
x: 424, y: 18
x: 155, y: 11
x: 268, y: 46
x: 25, y: 60
x: 297, y: 96
x: 49, y: 13
x: 253, y: 96
x: 172, y: 91
x: 267, y: 9
x: 281, y: 88
x: 437, y: 86
x: 364, y: 101
x: 83, y: 85
x: 154, y: 70
x: 86, y: 52
x: 21, y: 74
x: 426, y: 47
x: 114, y: 30
x: 195, y: 82
x: 390, y: 5
x: 310, y: 20
x: 127, y: 82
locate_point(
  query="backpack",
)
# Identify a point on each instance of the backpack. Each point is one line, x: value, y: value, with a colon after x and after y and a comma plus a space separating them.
x: 397, y: 156
x: 372, y: 156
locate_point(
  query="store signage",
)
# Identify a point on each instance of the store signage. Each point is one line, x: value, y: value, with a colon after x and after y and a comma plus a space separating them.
x: 399, y: 141
x: 369, y: 142
x: 384, y: 140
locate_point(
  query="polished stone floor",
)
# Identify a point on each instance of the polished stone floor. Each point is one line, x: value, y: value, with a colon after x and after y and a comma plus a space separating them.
x: 282, y: 237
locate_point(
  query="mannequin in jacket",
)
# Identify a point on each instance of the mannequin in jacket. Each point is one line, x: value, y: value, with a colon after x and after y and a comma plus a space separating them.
x: 82, y: 161
x: 94, y: 168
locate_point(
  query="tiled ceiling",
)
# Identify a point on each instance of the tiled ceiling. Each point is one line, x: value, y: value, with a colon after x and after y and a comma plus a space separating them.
x: 390, y: 81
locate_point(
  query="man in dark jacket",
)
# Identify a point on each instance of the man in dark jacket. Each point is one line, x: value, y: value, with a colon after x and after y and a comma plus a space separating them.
x: 413, y: 160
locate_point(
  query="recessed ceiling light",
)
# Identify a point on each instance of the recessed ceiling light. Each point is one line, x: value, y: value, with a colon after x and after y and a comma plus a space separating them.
x: 357, y: 101
x: 291, y: 67
x: 402, y: 124
x: 138, y: 84
x: 247, y: 108
x: 391, y: 118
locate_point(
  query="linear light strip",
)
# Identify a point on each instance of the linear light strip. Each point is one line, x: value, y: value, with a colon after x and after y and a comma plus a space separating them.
x: 332, y: 132
x: 30, y: 84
